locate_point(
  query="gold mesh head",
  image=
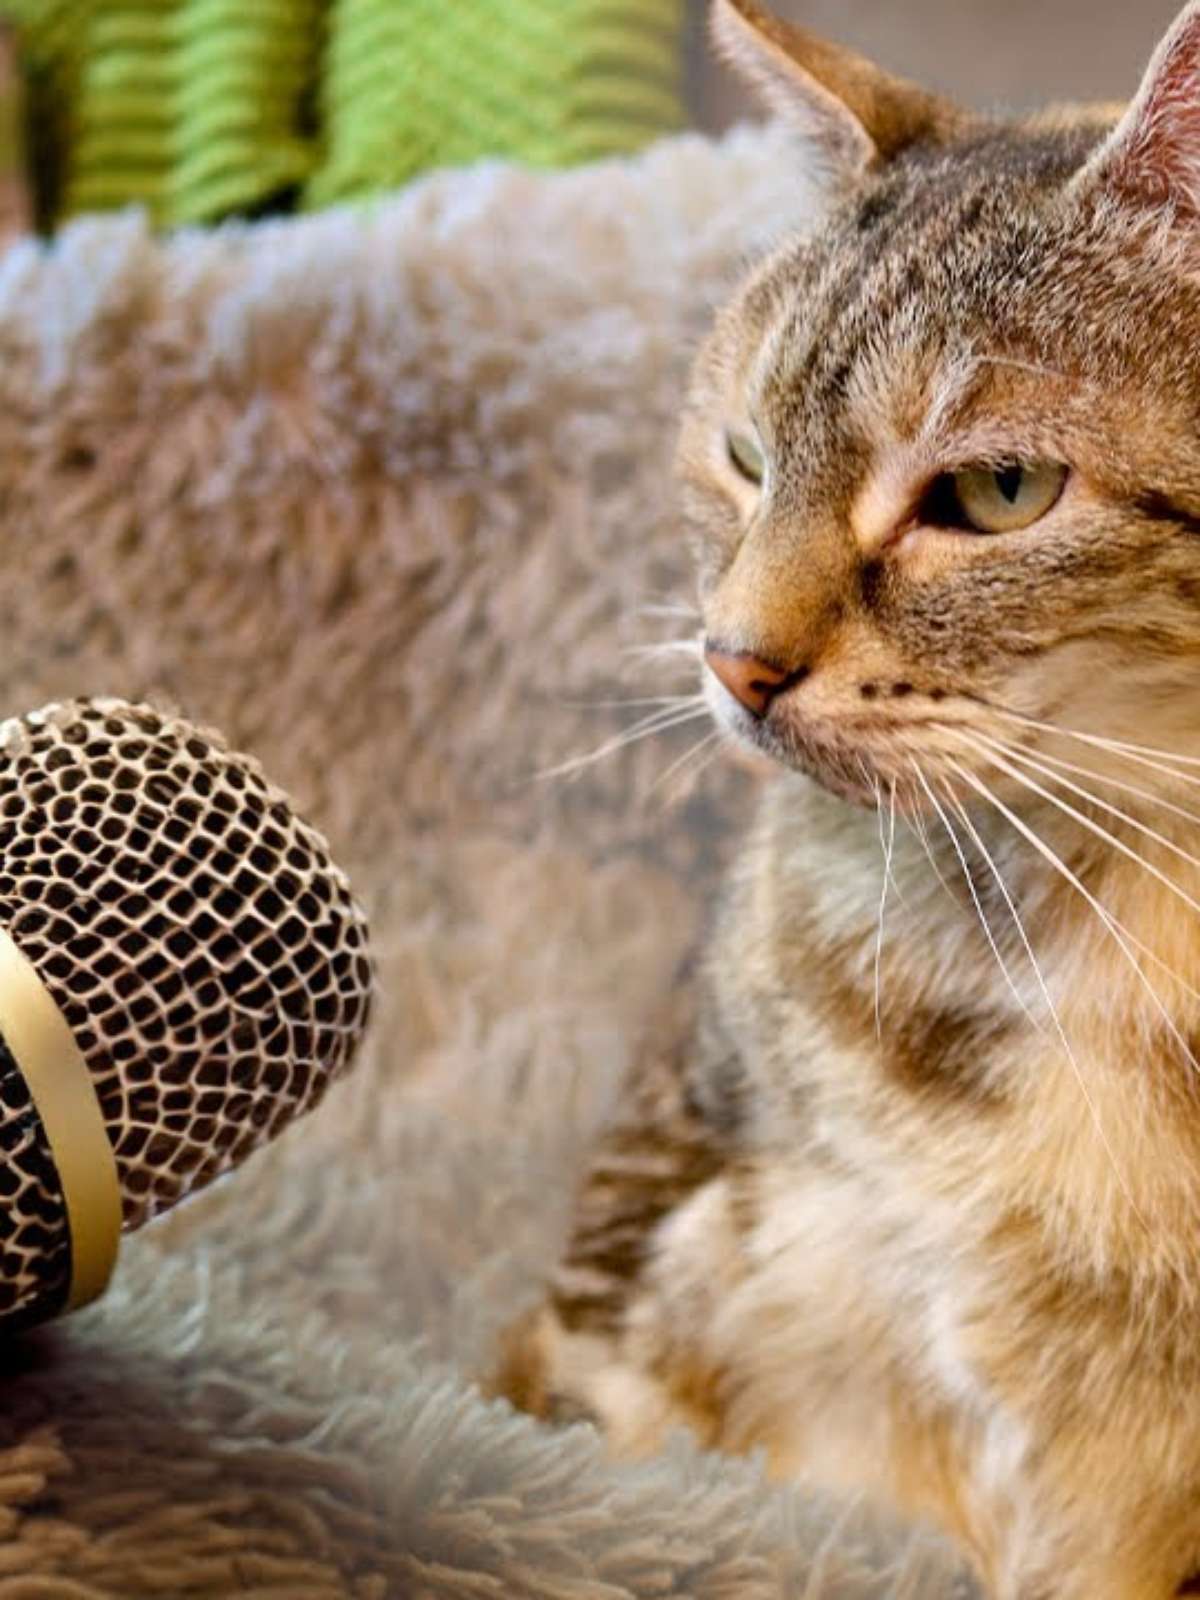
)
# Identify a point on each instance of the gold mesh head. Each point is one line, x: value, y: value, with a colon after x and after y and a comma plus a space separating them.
x: 204, y: 949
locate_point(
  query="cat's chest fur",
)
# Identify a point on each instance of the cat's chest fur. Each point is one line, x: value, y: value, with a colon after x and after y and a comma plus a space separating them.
x: 924, y: 1104
x: 938, y: 1188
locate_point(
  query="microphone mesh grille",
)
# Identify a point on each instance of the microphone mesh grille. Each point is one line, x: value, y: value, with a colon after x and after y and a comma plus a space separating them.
x: 205, y: 951
x: 35, y: 1247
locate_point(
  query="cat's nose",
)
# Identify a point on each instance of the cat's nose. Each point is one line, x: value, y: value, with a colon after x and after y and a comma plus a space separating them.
x: 755, y: 683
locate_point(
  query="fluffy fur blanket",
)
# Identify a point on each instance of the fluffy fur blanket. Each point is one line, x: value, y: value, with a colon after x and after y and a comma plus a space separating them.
x: 386, y: 497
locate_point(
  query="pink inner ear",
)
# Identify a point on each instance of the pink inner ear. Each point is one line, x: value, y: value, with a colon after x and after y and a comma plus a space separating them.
x: 1155, y: 153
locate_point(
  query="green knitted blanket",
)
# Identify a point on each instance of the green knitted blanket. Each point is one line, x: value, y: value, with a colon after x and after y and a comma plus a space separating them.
x: 197, y: 109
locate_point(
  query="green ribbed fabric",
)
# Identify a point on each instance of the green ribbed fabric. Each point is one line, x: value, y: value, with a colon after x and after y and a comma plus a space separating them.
x: 14, y: 189
x: 242, y: 73
x: 442, y: 82
x: 199, y: 109
x: 191, y: 108
x: 50, y: 36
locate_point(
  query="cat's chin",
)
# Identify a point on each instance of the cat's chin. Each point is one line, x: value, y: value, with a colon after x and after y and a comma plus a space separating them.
x: 854, y: 794
x: 846, y: 767
x: 846, y: 773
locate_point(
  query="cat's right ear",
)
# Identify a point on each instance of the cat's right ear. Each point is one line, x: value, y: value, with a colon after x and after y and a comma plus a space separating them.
x: 854, y: 113
x: 1152, y: 158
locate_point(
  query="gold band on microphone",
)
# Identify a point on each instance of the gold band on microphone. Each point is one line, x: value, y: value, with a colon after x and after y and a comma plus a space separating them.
x: 65, y: 1100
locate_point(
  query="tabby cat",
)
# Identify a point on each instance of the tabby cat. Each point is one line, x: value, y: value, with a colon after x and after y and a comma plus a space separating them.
x: 917, y: 1209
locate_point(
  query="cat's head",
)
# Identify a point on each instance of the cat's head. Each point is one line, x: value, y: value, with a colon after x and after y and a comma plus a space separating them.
x: 941, y: 458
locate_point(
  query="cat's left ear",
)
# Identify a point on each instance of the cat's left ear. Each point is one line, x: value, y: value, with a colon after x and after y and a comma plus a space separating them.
x: 854, y: 113
x: 1152, y: 157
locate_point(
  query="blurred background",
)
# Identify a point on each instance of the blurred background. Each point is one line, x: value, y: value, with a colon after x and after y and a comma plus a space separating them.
x: 1023, y: 53
x: 197, y: 110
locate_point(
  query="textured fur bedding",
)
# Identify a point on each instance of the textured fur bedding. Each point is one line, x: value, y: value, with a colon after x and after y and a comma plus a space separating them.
x: 385, y: 497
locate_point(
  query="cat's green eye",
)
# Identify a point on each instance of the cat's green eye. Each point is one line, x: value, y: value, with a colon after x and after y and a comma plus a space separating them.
x: 746, y: 454
x: 1003, y: 499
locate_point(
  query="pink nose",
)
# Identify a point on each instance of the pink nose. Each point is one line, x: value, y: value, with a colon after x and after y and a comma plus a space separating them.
x: 755, y: 683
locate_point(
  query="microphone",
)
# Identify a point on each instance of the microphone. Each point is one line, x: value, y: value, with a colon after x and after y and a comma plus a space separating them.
x: 183, y: 970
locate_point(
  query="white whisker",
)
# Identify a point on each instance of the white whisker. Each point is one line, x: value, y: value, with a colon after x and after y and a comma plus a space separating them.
x: 1113, y: 783
x: 682, y: 761
x: 1044, y: 849
x: 975, y: 900
x: 666, y: 647
x: 656, y: 722
x: 670, y: 608
x: 706, y: 760
x: 887, y: 874
x: 1139, y: 944
x: 887, y: 844
x: 917, y: 824
x: 1016, y: 754
x: 977, y: 839
x: 1126, y: 941
x: 634, y: 704
x: 1084, y: 821
x: 1139, y: 752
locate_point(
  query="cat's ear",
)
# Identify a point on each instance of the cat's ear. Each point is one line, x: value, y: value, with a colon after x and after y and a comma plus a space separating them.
x: 1152, y: 158
x: 856, y: 114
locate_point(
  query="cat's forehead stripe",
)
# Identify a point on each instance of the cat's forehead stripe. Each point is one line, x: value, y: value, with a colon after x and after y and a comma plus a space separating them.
x: 855, y: 301
x: 932, y: 229
x: 769, y: 354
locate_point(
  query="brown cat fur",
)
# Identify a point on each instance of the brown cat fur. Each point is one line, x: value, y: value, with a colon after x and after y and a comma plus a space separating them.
x: 915, y: 1216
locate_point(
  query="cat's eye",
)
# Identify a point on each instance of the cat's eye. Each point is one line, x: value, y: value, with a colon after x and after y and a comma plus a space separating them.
x: 746, y: 454
x: 994, y: 499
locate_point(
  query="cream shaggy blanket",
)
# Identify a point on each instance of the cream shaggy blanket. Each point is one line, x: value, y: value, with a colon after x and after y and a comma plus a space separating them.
x: 386, y: 497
